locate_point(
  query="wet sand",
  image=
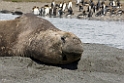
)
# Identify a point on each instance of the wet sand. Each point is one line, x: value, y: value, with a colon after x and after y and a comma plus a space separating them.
x: 99, y: 64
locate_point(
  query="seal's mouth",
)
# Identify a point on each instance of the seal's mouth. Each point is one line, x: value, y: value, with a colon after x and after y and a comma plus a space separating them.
x: 64, y: 57
x: 70, y: 57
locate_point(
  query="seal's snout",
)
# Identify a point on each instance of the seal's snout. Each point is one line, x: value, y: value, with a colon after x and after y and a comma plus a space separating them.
x: 72, y: 49
x: 72, y: 45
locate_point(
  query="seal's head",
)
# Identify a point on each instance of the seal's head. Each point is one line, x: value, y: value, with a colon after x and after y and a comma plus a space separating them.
x: 57, y: 47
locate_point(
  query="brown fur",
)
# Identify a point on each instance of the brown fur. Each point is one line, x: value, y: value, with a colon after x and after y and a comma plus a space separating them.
x: 35, y: 37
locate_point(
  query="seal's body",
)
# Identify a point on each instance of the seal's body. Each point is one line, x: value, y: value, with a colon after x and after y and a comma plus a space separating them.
x: 31, y: 36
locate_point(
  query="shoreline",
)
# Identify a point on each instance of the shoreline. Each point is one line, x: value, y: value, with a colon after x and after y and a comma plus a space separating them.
x: 26, y: 7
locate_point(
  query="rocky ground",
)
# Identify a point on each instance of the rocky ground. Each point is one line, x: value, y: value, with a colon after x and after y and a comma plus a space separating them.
x: 99, y: 63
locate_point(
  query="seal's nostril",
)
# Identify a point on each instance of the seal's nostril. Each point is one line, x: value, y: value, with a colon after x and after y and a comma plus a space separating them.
x: 63, y: 39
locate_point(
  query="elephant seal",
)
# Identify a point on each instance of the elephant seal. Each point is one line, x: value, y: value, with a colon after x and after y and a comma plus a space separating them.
x: 31, y: 36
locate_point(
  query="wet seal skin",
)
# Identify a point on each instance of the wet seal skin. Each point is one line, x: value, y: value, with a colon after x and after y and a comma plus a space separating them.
x: 31, y: 36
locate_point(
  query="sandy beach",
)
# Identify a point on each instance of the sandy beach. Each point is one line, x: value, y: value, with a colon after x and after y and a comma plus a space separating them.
x: 99, y: 63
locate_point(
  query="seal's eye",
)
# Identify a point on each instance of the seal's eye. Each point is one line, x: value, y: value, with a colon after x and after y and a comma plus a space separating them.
x: 63, y: 39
